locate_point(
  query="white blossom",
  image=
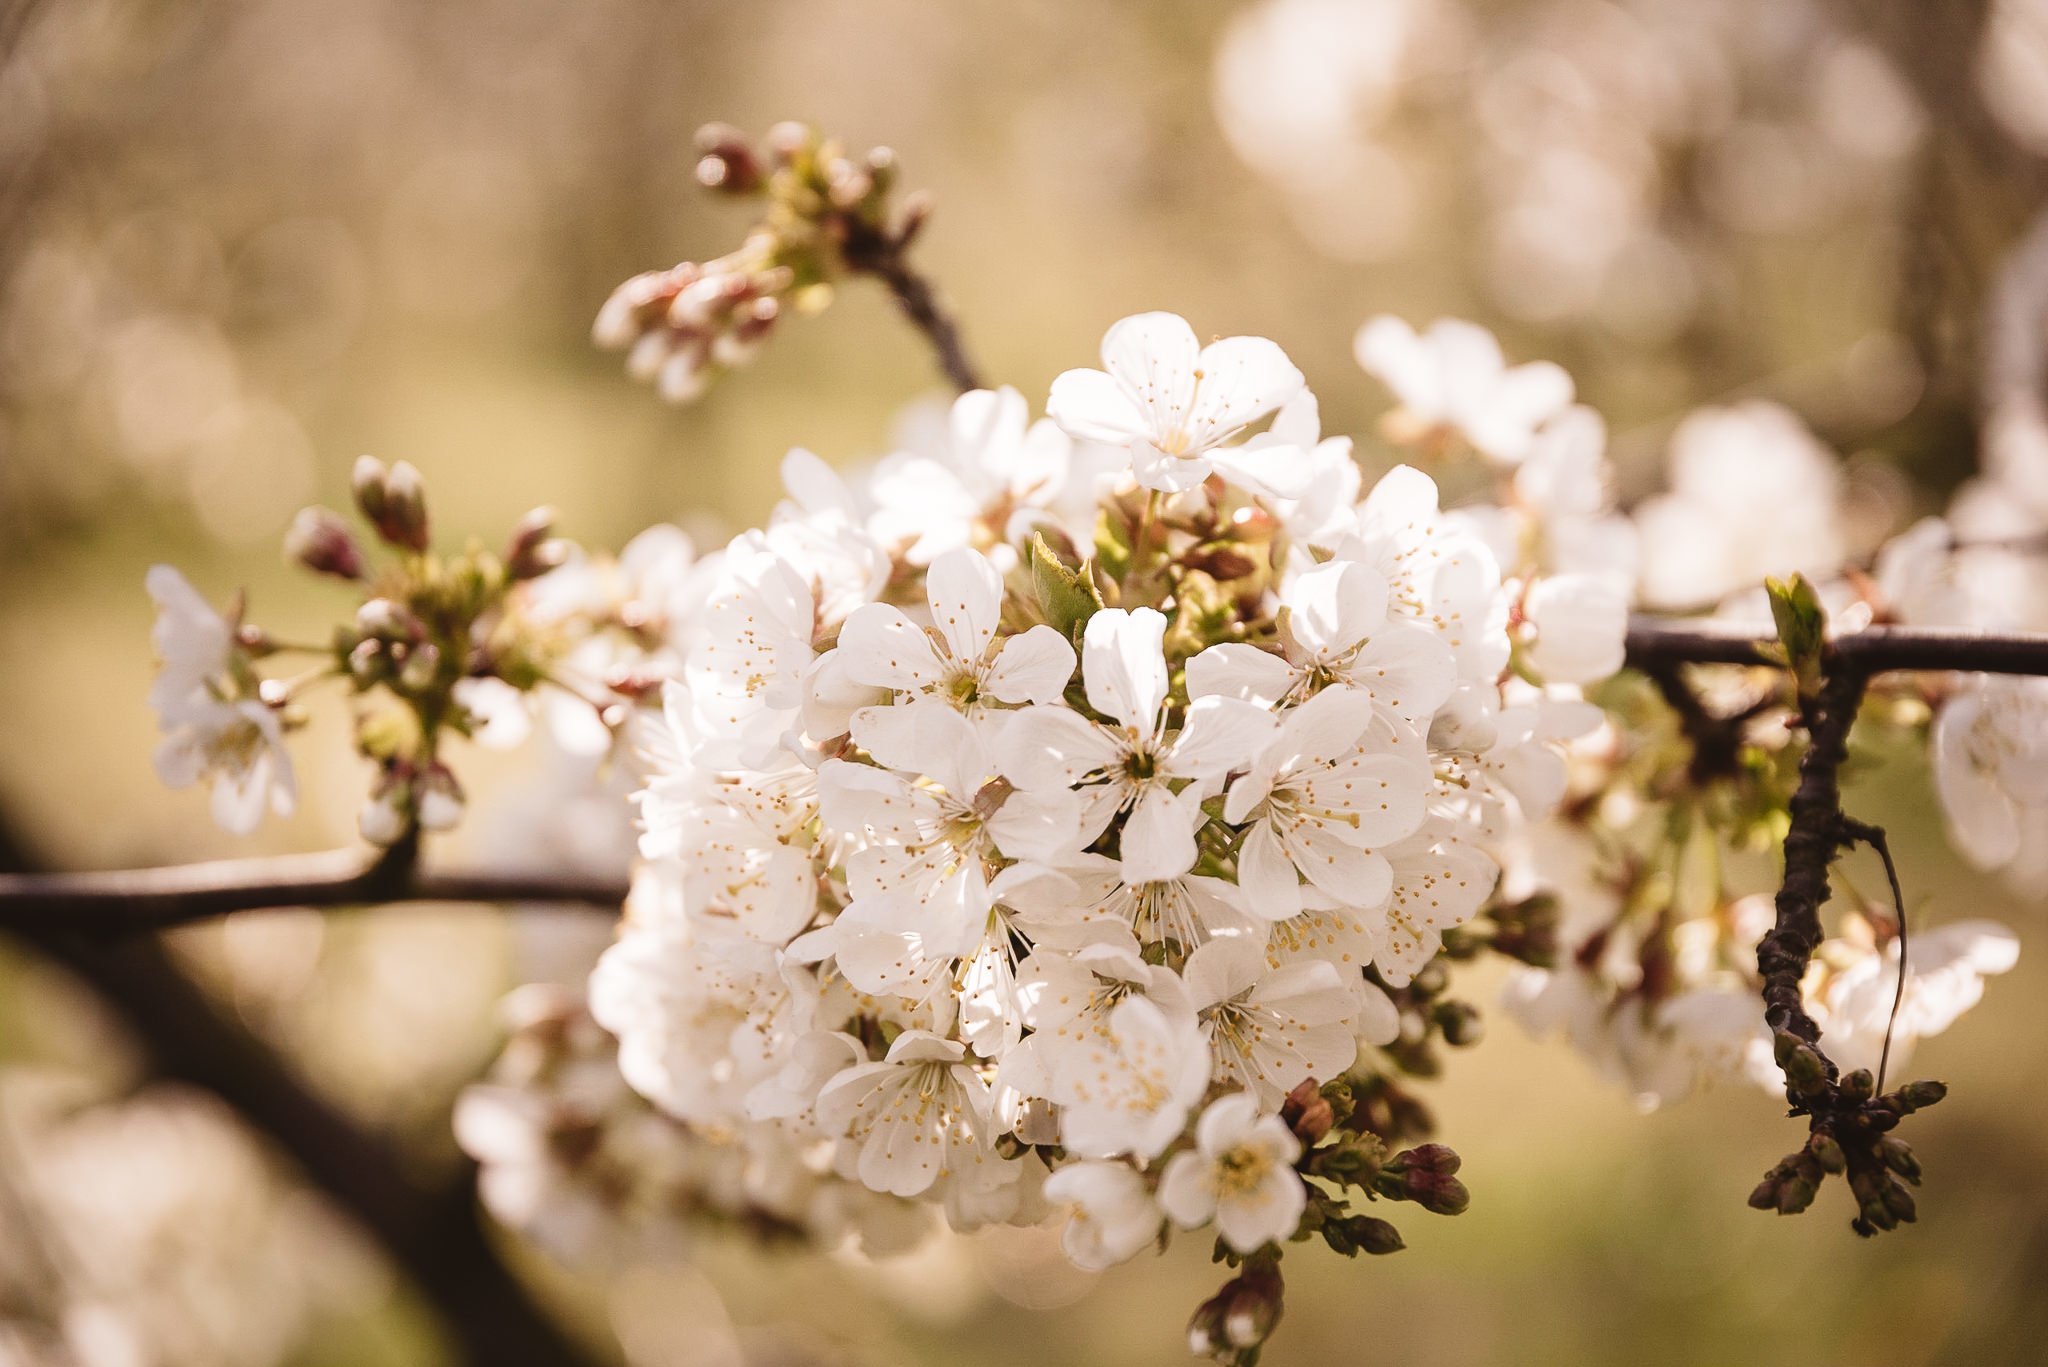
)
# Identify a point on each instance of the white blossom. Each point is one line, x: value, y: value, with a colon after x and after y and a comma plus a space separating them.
x: 1337, y: 631
x: 1240, y: 1175
x: 917, y: 1116
x: 1112, y: 1214
x: 1129, y: 761
x: 1318, y: 801
x: 1945, y: 972
x: 956, y: 657
x: 1453, y: 378
x: 1991, y: 766
x: 1175, y: 403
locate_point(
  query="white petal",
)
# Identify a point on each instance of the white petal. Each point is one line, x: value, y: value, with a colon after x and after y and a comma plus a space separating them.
x: 1336, y: 605
x: 1272, y: 889
x: 1240, y: 671
x: 1243, y: 379
x: 1186, y: 1193
x: 966, y: 597
x: 1091, y: 406
x: 878, y: 645
x: 1275, y: 471
x: 1032, y: 668
x: 1124, y: 666
x: 1052, y: 746
x: 1159, y: 835
x: 1221, y: 734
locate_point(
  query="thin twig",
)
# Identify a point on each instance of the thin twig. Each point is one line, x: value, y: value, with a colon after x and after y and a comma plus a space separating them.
x: 887, y: 259
x: 1874, y: 837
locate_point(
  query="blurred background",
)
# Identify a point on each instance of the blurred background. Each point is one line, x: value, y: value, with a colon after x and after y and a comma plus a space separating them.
x: 244, y: 241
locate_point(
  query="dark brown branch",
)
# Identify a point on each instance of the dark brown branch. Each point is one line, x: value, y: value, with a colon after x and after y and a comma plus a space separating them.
x: 1815, y: 836
x: 1661, y: 642
x: 155, y: 899
x: 887, y: 259
x: 432, y: 1232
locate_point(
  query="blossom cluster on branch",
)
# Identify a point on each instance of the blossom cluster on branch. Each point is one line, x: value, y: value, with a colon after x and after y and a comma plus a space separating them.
x: 1090, y: 815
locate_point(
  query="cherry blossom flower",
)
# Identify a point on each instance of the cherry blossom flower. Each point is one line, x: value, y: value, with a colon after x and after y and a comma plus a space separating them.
x: 1991, y: 766
x: 209, y: 731
x: 1453, y: 378
x: 1240, y: 1175
x: 917, y: 1116
x: 1272, y: 1028
x: 1752, y: 493
x: 1128, y: 1089
x: 1317, y: 802
x: 986, y: 475
x: 1945, y: 972
x: 1581, y: 627
x: 240, y: 746
x: 1129, y: 761
x: 1112, y: 1214
x: 1175, y: 403
x: 1337, y: 632
x: 956, y: 658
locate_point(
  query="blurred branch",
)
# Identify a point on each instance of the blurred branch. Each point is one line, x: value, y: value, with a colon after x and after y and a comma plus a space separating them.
x: 1655, y: 644
x: 433, y: 1234
x: 885, y: 257
x: 155, y: 899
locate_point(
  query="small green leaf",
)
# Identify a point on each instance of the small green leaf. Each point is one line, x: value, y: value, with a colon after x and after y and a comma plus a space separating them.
x: 1066, y: 594
x: 1802, y: 628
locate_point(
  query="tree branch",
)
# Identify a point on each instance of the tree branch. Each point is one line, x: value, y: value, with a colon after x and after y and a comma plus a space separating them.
x: 887, y: 259
x: 1661, y: 642
x: 1812, y: 840
x: 433, y: 1233
x: 155, y: 899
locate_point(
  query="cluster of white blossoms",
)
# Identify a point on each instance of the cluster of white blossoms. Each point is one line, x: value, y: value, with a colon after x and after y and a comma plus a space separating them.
x: 1029, y: 827
x: 1080, y: 817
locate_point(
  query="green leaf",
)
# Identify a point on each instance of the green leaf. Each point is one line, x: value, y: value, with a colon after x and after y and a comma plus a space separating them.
x: 1802, y: 628
x: 1067, y: 594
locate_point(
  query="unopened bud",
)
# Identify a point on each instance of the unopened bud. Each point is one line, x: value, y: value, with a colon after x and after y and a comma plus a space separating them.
x: 1898, y: 1156
x: 1899, y: 1203
x: 385, y: 620
x: 1795, y: 1193
x: 728, y: 163
x: 405, y: 508
x: 1238, y: 1318
x: 1374, y: 1235
x: 1308, y: 1113
x: 1826, y: 1152
x: 532, y: 550
x: 383, y: 819
x: 1460, y: 1022
x: 320, y: 541
x: 1918, y: 1096
x: 1805, y: 1071
x: 1440, y: 1159
x: 366, y: 483
x: 422, y: 664
x: 438, y: 799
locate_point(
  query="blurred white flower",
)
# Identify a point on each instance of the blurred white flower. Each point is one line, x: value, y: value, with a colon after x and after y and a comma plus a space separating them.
x: 1945, y: 972
x: 1453, y: 379
x: 1752, y: 494
x: 1112, y: 1214
x: 1991, y: 766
